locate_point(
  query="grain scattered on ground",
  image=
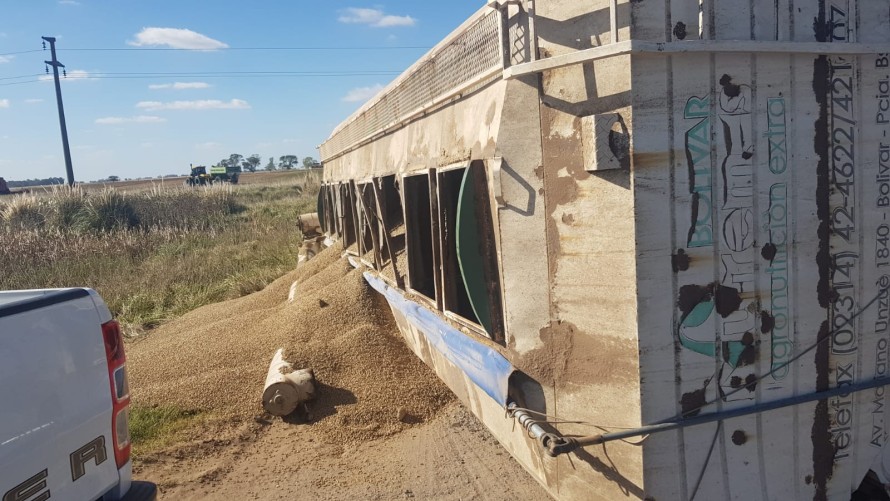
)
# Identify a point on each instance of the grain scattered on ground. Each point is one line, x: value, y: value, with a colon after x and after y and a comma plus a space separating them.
x: 215, y: 359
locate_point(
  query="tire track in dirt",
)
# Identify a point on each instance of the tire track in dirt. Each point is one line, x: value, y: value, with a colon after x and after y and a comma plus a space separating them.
x: 450, y: 457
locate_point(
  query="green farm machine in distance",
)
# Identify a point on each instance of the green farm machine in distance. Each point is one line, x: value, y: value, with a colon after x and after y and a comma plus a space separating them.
x: 225, y: 174
x: 218, y: 174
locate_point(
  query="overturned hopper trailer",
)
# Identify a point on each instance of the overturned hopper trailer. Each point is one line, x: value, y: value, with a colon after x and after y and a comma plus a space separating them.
x: 646, y: 242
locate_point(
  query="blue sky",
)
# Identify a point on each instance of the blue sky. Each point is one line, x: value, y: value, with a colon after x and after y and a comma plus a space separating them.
x: 125, y: 119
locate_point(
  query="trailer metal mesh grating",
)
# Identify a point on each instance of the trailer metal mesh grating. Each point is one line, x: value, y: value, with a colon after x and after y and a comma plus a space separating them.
x: 470, y: 54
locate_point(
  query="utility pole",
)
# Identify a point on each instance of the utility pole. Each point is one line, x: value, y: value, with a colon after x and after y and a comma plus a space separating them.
x: 56, y: 65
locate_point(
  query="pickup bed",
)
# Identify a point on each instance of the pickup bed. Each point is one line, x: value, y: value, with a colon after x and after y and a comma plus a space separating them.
x: 64, y: 400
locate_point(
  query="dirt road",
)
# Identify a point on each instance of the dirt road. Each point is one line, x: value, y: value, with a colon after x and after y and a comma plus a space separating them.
x: 451, y: 457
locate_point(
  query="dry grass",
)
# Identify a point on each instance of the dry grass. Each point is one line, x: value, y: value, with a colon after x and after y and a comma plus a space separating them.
x: 153, y: 254
x: 262, y: 178
x: 63, y: 208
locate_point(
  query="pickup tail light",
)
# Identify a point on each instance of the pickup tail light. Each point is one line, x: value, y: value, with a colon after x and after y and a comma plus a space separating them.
x: 120, y: 391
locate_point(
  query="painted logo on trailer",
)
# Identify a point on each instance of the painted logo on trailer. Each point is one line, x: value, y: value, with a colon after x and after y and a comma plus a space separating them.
x: 722, y: 319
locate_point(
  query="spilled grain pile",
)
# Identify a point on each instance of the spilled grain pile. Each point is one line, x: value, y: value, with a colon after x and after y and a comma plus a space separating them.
x: 215, y: 358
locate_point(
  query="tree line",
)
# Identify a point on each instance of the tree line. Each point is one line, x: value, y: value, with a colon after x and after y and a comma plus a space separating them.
x: 36, y: 182
x: 252, y: 162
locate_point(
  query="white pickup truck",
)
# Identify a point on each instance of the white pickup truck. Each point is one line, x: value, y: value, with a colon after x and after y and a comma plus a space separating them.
x: 64, y: 400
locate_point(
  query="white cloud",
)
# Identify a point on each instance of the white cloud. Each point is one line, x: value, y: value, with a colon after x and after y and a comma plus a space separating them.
x: 175, y: 38
x: 210, y: 145
x: 68, y: 2
x: 374, y: 17
x: 4, y: 103
x: 80, y: 75
x: 139, y: 119
x: 204, y: 104
x: 388, y: 21
x: 180, y: 86
x: 72, y: 75
x: 6, y: 59
x: 33, y: 101
x: 362, y: 94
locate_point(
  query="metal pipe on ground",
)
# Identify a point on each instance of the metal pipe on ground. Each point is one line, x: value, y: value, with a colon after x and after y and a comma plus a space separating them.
x: 286, y: 388
x: 309, y: 225
x: 313, y: 238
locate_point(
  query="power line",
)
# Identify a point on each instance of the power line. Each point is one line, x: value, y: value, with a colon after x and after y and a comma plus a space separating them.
x: 22, y: 76
x: 21, y: 52
x: 19, y: 83
x: 232, y: 73
x: 155, y: 76
x: 224, y: 49
x: 170, y: 49
x: 152, y: 74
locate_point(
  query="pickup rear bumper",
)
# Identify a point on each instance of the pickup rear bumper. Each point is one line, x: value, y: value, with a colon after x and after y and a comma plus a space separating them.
x: 141, y: 491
